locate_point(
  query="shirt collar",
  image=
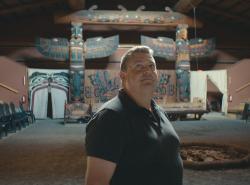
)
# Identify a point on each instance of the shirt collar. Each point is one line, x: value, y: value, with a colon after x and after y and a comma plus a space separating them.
x: 131, y: 104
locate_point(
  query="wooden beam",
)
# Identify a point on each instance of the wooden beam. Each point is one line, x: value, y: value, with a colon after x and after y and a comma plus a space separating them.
x: 122, y: 23
x: 28, y: 6
x: 225, y: 14
x: 185, y: 6
x: 76, y: 4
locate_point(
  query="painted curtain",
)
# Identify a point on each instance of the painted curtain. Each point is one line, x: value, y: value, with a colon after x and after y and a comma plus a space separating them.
x: 43, y: 81
x: 41, y: 103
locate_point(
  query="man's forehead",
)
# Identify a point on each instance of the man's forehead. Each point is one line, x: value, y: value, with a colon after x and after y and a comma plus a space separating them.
x: 142, y: 57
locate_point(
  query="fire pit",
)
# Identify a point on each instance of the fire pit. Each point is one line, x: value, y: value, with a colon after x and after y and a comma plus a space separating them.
x: 202, y: 156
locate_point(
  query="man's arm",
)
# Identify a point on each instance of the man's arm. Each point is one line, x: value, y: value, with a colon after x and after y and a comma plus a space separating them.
x: 99, y: 171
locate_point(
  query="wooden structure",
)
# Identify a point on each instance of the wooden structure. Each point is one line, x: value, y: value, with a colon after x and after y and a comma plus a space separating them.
x: 76, y: 51
x: 221, y: 19
x: 129, y: 20
x: 181, y: 50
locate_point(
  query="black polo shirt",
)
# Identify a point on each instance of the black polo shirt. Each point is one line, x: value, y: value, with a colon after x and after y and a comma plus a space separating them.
x: 143, y: 144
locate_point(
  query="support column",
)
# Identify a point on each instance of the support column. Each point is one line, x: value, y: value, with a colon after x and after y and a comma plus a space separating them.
x: 76, y: 64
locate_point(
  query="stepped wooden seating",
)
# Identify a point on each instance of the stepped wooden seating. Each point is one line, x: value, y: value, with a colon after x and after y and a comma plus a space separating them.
x: 29, y: 114
x: 13, y: 124
x: 246, y: 111
x: 13, y: 118
x: 18, y: 116
x: 5, y: 122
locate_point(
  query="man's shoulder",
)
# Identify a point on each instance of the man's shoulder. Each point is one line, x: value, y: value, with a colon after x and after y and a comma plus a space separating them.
x: 161, y: 111
x: 108, y: 115
x: 111, y: 109
x: 114, y: 104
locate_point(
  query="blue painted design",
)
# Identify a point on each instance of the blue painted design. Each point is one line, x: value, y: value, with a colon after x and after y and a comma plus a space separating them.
x: 104, y: 87
x: 101, y: 47
x: 57, y: 48
x: 183, y: 84
x: 77, y: 84
x: 201, y: 48
x: 164, y: 86
x: 162, y: 46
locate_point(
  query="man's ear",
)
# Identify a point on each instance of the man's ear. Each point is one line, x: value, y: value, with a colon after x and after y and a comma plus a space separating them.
x: 157, y: 74
x: 122, y: 75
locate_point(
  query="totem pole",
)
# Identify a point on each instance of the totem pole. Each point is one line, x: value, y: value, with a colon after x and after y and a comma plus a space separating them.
x: 76, y: 71
x: 182, y: 65
x: 181, y: 50
x: 76, y: 51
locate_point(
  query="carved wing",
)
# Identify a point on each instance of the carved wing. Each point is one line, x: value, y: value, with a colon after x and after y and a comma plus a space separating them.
x: 101, y: 47
x: 201, y: 48
x: 57, y: 48
x: 162, y: 46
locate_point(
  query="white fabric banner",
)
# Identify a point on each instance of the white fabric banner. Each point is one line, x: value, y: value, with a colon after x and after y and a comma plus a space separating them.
x: 41, y: 103
x: 198, y: 85
x: 59, y: 98
x: 219, y: 78
x: 40, y: 81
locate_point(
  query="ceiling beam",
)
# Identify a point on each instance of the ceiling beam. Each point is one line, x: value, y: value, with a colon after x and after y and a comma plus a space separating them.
x: 77, y: 4
x: 184, y: 6
x: 24, y: 7
x: 226, y: 15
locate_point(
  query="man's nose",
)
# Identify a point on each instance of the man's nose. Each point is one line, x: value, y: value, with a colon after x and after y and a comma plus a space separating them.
x: 147, y: 70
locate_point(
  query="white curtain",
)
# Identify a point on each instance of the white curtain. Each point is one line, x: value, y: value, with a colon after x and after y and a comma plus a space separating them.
x: 41, y: 103
x: 219, y: 78
x: 59, y: 98
x: 39, y: 78
x: 198, y: 85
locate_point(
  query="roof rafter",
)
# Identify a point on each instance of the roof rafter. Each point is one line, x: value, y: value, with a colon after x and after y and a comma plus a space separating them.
x: 28, y: 6
x: 77, y: 4
x: 185, y: 6
x: 225, y: 14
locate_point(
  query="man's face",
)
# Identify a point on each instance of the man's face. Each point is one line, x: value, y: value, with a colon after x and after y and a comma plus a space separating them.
x: 141, y: 73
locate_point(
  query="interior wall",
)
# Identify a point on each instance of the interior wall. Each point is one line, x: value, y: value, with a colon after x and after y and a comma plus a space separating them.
x: 14, y: 76
x: 238, y: 77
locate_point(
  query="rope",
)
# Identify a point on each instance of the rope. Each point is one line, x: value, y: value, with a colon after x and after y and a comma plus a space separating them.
x: 195, y: 34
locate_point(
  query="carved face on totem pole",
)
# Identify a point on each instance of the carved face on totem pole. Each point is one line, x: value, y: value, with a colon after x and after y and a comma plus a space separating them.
x: 181, y: 32
x: 76, y: 30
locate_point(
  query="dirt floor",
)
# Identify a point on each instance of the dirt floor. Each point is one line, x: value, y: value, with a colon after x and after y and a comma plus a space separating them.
x: 50, y: 153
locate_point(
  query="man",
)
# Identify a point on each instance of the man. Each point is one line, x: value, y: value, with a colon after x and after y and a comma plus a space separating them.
x: 130, y: 140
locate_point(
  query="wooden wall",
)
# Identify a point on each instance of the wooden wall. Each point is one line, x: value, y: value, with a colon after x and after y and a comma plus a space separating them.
x: 14, y: 77
x: 239, y: 84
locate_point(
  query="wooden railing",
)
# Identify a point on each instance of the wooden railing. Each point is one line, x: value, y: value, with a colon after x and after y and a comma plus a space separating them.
x: 243, y: 87
x: 9, y: 88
